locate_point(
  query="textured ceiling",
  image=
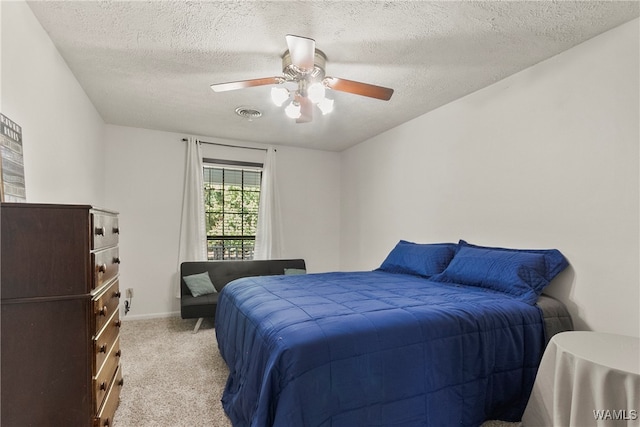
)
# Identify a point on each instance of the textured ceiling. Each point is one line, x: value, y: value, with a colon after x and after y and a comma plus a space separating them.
x: 150, y: 64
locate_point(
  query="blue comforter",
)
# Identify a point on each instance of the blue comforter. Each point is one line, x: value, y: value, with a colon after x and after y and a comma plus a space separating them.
x: 374, y: 349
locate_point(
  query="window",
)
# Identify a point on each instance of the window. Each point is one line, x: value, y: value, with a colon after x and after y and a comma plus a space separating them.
x: 231, y: 197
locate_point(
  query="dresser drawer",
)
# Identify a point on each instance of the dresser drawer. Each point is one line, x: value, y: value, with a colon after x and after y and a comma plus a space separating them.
x: 105, y: 304
x: 104, y: 230
x: 106, y: 265
x: 105, y: 416
x: 103, y: 343
x: 102, y: 380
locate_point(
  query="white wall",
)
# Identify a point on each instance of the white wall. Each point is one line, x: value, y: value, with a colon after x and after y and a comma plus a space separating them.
x: 545, y: 158
x: 61, y: 130
x: 145, y: 175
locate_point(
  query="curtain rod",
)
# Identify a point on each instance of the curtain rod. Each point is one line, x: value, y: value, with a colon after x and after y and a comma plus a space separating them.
x: 227, y: 145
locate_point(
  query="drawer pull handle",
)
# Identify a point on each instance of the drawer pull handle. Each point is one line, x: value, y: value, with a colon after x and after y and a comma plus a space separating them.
x: 103, y: 385
x: 121, y: 382
x: 118, y: 353
x: 102, y: 268
x: 117, y: 323
x: 116, y: 230
x: 103, y: 348
x: 100, y: 231
x: 116, y: 260
x: 103, y: 311
x: 117, y: 294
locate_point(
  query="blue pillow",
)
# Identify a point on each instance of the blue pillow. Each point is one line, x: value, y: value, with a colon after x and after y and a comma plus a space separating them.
x: 199, y: 284
x: 521, y: 273
x: 419, y: 259
x: 554, y: 261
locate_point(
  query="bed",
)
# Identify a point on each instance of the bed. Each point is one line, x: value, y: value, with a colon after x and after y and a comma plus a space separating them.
x: 440, y: 334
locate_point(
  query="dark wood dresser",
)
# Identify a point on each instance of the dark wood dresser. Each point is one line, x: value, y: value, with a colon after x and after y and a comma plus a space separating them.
x: 60, y: 351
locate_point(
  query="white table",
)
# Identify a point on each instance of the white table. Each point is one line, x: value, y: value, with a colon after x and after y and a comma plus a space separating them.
x: 582, y: 372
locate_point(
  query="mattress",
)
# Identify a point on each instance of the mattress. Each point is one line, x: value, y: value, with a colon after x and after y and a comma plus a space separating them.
x: 376, y: 349
x: 555, y: 315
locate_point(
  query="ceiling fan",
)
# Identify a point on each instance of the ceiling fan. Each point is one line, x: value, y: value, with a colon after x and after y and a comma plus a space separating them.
x: 303, y: 82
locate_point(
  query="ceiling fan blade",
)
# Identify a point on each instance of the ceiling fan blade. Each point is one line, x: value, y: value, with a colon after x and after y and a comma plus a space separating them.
x: 302, y: 51
x: 223, y: 87
x: 364, y: 89
x: 306, y: 109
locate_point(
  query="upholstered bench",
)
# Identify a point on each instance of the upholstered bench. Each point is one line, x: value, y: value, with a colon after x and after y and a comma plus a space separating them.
x: 220, y: 273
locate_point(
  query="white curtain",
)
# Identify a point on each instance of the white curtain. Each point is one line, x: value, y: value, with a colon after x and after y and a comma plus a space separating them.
x: 193, y: 237
x: 269, y: 231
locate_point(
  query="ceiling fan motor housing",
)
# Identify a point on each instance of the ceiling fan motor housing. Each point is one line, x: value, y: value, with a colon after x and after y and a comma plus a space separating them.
x: 293, y: 73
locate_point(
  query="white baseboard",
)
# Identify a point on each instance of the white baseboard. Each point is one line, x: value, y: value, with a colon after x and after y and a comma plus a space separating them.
x: 148, y: 316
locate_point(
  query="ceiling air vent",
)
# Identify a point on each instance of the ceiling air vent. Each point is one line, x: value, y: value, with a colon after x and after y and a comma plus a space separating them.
x: 248, y: 113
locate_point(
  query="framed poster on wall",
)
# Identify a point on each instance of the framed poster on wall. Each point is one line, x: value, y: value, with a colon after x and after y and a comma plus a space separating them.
x: 12, y: 187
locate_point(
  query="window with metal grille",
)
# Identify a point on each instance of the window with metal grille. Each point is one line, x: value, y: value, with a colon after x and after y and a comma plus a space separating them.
x: 231, y: 197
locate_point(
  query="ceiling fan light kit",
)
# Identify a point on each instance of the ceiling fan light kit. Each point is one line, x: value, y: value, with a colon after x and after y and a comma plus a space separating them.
x: 326, y: 106
x: 316, y: 92
x: 293, y: 110
x: 279, y: 95
x: 303, y: 68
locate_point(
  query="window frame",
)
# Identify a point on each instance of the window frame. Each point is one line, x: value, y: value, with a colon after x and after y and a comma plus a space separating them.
x: 230, y: 165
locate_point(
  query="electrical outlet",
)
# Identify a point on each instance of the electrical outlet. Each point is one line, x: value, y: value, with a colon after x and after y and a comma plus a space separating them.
x: 129, y: 292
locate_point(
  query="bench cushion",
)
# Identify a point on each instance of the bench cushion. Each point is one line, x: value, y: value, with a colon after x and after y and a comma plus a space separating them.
x: 196, y: 307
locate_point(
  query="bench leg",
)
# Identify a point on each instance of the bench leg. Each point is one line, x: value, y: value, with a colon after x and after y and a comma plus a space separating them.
x: 198, y: 323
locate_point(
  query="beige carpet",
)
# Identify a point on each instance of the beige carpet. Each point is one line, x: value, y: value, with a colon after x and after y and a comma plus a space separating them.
x: 173, y: 378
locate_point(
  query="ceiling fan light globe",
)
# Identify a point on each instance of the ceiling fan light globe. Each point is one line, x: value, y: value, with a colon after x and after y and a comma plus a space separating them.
x: 293, y: 110
x: 326, y: 106
x: 279, y: 95
x: 316, y: 92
